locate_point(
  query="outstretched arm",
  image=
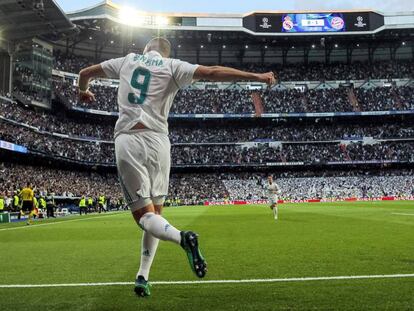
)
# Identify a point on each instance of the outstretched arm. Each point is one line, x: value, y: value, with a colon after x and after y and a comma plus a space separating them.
x: 223, y: 74
x: 85, y: 75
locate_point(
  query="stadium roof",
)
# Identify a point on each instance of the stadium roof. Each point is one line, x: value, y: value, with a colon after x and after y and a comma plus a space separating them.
x: 110, y: 30
x: 109, y: 9
x: 357, y: 21
x: 22, y: 19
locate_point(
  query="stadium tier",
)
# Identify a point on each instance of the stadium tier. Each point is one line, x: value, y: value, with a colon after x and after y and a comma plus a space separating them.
x: 53, y: 136
x: 193, y: 189
x: 275, y: 101
x: 73, y: 63
x: 42, y: 120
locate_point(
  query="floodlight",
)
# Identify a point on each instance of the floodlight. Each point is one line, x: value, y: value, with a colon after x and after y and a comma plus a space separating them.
x: 161, y: 20
x: 129, y: 16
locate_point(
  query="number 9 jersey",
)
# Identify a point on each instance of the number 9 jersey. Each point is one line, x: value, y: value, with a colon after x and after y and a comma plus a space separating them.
x: 148, y: 85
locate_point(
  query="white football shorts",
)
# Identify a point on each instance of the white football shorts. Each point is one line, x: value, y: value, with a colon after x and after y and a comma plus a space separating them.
x: 273, y: 199
x: 143, y: 161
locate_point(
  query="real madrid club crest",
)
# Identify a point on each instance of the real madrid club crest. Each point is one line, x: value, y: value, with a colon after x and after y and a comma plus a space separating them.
x: 287, y: 23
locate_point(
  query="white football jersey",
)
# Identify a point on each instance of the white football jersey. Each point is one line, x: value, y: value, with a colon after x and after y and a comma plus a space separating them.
x: 147, y: 87
x: 273, y: 189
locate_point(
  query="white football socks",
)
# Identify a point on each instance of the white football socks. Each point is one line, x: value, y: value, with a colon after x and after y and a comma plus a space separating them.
x: 275, y: 212
x: 159, y: 227
x: 149, y: 246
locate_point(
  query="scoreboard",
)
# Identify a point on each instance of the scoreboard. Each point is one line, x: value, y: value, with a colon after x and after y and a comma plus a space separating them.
x: 313, y: 22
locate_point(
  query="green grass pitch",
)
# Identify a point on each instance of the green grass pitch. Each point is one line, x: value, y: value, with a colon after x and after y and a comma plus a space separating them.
x: 239, y: 242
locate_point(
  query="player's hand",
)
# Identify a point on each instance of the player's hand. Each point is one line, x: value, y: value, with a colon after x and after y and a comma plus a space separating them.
x: 86, y: 96
x: 269, y: 78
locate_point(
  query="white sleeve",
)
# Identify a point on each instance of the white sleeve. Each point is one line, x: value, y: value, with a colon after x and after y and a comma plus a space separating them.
x: 112, y: 67
x: 182, y: 72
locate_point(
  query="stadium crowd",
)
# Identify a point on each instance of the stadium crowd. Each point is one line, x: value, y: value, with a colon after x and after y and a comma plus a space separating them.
x: 105, y: 100
x: 212, y: 101
x: 51, y: 146
x: 323, y: 187
x: 292, y: 100
x: 336, y: 71
x: 67, y: 183
x: 234, y: 154
x: 44, y: 120
x: 307, y: 153
x: 289, y: 132
x: 290, y: 72
x: 197, y: 188
x: 70, y: 62
x: 95, y: 152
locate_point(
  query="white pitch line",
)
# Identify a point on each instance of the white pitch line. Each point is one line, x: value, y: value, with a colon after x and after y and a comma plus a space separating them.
x: 57, y: 222
x: 405, y: 214
x: 301, y: 279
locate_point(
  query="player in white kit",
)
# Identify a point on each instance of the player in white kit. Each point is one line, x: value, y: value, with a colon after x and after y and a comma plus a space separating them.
x: 273, y: 191
x: 147, y: 87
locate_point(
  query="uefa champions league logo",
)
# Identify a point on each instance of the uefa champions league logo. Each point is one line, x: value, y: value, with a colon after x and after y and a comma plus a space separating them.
x: 265, y: 23
x: 360, y: 22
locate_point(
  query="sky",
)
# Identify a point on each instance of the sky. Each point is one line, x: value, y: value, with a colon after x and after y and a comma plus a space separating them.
x: 244, y: 6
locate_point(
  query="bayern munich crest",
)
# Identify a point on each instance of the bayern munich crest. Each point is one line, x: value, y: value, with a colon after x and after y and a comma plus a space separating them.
x: 337, y: 23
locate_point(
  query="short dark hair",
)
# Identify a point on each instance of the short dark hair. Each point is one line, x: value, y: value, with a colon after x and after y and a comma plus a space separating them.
x: 161, y: 45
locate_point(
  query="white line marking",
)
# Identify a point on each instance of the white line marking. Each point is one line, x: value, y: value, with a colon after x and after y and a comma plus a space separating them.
x: 302, y: 279
x: 405, y: 214
x: 58, y: 222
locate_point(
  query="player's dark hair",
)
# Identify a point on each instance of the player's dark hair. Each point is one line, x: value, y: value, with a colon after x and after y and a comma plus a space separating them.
x: 161, y: 45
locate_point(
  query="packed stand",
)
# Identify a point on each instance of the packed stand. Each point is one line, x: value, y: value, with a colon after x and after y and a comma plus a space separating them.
x: 337, y: 187
x: 103, y: 130
x: 386, y: 98
x: 106, y: 96
x: 89, y: 152
x: 194, y: 189
x: 289, y: 132
x: 240, y: 154
x: 70, y: 62
x: 306, y: 153
x: 314, y: 71
x: 190, y: 101
x: 65, y: 183
x: 45, y: 121
x: 292, y: 100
